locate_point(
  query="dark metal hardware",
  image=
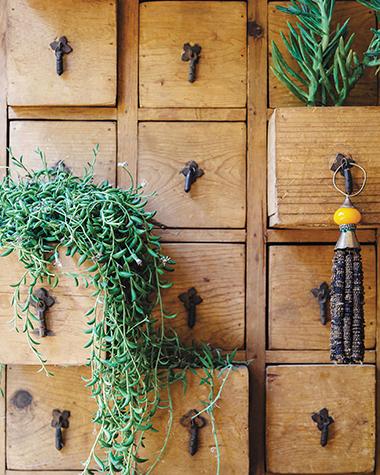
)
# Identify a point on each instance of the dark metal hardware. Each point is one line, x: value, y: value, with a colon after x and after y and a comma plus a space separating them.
x: 60, y: 47
x: 60, y: 420
x: 193, y: 425
x: 322, y: 293
x: 191, y: 172
x: 323, y: 421
x: 42, y: 301
x: 190, y: 300
x: 191, y: 53
x: 345, y: 171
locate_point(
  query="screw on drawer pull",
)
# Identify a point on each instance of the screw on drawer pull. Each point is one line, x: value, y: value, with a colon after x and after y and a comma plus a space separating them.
x: 42, y: 301
x: 60, y: 47
x: 191, y: 54
x: 323, y: 421
x: 347, y: 291
x: 322, y: 293
x: 193, y: 424
x: 190, y: 300
x: 191, y: 172
x: 60, y: 420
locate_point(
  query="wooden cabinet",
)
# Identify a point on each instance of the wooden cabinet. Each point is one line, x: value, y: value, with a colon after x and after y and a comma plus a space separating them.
x: 295, y: 393
x: 70, y: 141
x: 293, y: 312
x: 303, y: 144
x: 219, y: 28
x: 217, y: 199
x: 89, y: 76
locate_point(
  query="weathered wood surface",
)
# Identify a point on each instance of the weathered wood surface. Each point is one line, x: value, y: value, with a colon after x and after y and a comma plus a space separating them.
x: 30, y: 437
x: 3, y: 90
x: 89, y: 76
x: 65, y: 319
x: 2, y: 423
x: 219, y: 28
x: 173, y: 114
x: 303, y: 144
x: 231, y: 424
x: 315, y: 236
x: 295, y: 393
x: 217, y: 273
x: 293, y: 312
x: 361, y: 21
x: 218, y: 198
x: 201, y: 235
x: 70, y: 141
x: 308, y: 357
x: 62, y: 113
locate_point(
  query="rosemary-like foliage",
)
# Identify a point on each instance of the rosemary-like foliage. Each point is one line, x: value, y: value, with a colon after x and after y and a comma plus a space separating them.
x: 134, y: 359
x: 327, y: 63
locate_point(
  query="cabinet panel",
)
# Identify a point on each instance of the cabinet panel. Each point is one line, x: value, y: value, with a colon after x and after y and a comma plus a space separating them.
x: 302, y: 146
x: 231, y: 424
x: 217, y: 199
x: 70, y: 141
x: 294, y: 316
x: 295, y: 393
x: 216, y: 271
x: 89, y: 71
x: 219, y: 28
x: 31, y: 398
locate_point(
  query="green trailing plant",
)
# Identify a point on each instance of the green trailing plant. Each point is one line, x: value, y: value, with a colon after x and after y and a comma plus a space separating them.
x: 135, y: 357
x: 328, y: 66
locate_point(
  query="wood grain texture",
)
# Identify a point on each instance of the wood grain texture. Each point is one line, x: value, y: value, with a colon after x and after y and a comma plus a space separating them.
x: 70, y: 141
x: 30, y: 437
x: 377, y: 361
x: 313, y: 236
x: 218, y: 198
x: 200, y: 235
x: 128, y: 40
x: 2, y: 423
x: 302, y: 148
x: 3, y: 88
x: 223, y: 115
x: 294, y: 393
x: 65, y: 320
x: 219, y: 28
x: 293, y: 312
x: 217, y: 273
x: 231, y: 423
x: 62, y: 113
x: 89, y: 76
x: 308, y: 357
x: 361, y: 21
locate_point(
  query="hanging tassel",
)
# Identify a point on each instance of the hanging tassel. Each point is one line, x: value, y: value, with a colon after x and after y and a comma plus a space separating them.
x: 347, y: 291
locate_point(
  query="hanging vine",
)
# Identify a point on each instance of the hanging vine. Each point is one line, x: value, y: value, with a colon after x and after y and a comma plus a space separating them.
x: 133, y: 355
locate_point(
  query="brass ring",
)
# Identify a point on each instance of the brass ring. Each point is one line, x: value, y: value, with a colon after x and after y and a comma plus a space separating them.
x: 362, y: 187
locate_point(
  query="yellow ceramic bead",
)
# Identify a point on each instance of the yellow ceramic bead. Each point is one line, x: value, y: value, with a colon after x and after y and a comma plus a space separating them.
x: 347, y: 216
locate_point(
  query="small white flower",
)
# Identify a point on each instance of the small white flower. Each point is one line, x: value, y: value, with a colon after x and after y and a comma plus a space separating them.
x: 57, y: 262
x: 165, y: 260
x: 144, y: 183
x: 139, y: 262
x: 122, y: 164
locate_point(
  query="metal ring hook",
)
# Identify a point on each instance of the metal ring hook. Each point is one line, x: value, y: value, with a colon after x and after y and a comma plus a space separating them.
x: 362, y: 187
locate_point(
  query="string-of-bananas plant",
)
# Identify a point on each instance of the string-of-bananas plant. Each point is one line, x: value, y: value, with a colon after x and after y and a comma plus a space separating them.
x: 134, y: 357
x: 327, y: 64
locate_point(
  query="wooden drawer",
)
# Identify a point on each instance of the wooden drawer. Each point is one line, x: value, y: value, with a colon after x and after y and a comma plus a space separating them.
x: 70, y: 141
x: 231, y: 424
x: 65, y: 320
x: 295, y: 393
x: 293, y: 314
x: 216, y: 271
x: 89, y: 76
x: 217, y: 199
x: 219, y: 28
x: 303, y: 144
x: 30, y: 399
x: 361, y: 21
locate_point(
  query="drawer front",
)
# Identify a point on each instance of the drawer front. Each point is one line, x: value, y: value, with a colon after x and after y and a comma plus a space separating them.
x: 89, y: 71
x: 302, y: 146
x: 231, y: 424
x: 219, y: 28
x: 361, y: 21
x: 216, y: 272
x: 70, y: 141
x: 294, y: 313
x: 31, y: 398
x: 295, y: 393
x: 217, y: 198
x: 65, y: 319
